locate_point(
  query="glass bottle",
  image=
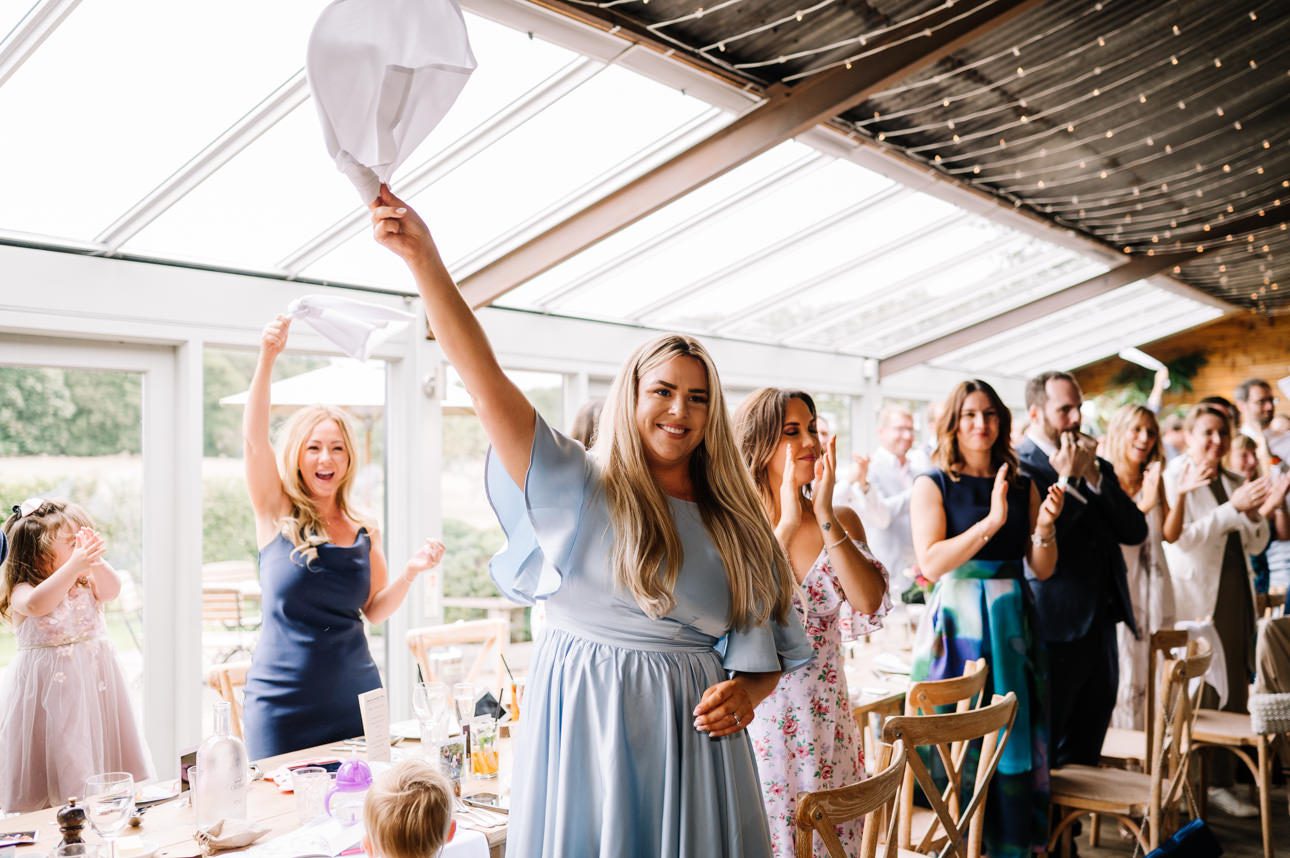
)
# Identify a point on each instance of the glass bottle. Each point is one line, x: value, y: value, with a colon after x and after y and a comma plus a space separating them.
x: 222, y: 767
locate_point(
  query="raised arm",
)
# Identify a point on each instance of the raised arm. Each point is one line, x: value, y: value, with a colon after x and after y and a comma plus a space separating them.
x: 48, y: 594
x: 862, y: 583
x: 508, y: 418
x: 937, y: 554
x: 268, y: 500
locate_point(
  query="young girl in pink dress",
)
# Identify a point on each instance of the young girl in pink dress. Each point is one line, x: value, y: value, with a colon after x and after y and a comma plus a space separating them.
x: 64, y: 711
x: 804, y: 735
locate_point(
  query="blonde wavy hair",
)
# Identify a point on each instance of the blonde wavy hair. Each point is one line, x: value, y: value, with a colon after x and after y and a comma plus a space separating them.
x: 32, y: 539
x: 303, y: 526
x: 1119, y: 434
x: 647, y: 553
x: 759, y: 426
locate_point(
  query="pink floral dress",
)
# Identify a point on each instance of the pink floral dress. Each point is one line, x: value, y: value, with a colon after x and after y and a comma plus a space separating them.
x: 804, y: 736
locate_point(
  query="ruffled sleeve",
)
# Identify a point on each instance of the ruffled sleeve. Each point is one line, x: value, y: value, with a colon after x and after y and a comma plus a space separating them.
x: 541, y: 520
x: 851, y: 623
x: 767, y: 648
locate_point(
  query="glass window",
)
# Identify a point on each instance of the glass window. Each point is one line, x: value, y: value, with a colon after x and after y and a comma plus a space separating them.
x: 77, y: 435
x: 470, y: 528
x: 123, y: 94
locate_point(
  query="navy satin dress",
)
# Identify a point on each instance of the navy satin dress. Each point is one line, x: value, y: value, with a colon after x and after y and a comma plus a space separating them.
x: 312, y: 660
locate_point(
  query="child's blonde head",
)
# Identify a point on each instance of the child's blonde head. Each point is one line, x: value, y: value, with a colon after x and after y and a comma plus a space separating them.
x: 408, y: 812
x: 32, y: 531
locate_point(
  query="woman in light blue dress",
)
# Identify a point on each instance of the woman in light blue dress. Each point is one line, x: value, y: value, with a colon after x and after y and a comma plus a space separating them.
x: 668, y: 599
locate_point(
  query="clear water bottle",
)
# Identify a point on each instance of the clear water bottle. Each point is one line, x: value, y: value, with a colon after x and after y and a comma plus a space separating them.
x: 222, y: 773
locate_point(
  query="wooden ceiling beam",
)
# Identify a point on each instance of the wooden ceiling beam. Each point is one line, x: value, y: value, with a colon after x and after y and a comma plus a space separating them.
x: 786, y: 112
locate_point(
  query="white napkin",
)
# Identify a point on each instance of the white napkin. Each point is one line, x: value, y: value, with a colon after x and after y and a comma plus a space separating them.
x: 383, y: 74
x: 355, y: 326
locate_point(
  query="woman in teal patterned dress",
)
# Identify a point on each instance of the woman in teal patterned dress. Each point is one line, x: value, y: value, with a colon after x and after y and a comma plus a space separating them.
x: 975, y: 519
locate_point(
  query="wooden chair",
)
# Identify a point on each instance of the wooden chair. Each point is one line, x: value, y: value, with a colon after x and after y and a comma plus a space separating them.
x: 492, y: 636
x: 1129, y: 749
x: 870, y: 716
x: 222, y: 606
x: 959, y: 823
x: 1145, y: 803
x: 925, y: 698
x: 1269, y: 605
x: 228, y: 680
x: 818, y: 812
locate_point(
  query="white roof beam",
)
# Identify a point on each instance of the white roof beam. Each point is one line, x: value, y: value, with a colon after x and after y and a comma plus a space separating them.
x: 34, y: 28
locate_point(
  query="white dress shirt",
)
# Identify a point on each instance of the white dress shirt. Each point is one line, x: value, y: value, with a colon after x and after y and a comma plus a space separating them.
x: 884, y: 510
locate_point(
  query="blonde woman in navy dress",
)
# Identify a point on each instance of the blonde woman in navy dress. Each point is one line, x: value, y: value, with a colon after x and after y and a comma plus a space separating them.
x: 668, y: 599
x: 322, y: 572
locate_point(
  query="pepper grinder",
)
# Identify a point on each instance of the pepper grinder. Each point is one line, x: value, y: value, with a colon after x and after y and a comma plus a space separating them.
x: 71, y: 821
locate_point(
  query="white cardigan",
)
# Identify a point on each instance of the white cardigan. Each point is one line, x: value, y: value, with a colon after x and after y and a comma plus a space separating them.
x: 1196, y: 558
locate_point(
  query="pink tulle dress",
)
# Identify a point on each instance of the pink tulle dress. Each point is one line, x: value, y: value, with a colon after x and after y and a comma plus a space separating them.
x: 64, y: 710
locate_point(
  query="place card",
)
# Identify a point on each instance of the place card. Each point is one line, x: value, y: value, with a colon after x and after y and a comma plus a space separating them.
x: 375, y: 709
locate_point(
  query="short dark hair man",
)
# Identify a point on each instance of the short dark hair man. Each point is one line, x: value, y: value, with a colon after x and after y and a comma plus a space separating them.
x: 1088, y: 594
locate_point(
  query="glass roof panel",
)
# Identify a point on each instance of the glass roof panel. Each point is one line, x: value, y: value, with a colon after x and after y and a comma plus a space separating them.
x: 914, y: 250
x: 11, y: 12
x: 824, y: 253
x: 709, y: 248
x: 114, y: 108
x: 623, y: 246
x: 1003, y: 276
x: 615, y: 117
x: 214, y: 223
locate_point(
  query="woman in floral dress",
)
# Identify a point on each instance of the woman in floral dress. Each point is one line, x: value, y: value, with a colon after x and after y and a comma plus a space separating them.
x: 804, y: 736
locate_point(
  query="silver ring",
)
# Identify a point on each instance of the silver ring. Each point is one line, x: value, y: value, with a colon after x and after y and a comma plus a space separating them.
x: 737, y: 721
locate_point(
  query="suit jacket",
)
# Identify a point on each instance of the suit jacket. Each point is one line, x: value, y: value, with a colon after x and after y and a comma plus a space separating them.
x: 1196, y: 558
x: 1090, y: 581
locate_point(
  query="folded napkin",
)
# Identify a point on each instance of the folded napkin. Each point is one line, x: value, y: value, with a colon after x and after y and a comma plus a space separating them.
x: 383, y: 74
x: 228, y: 834
x: 357, y: 327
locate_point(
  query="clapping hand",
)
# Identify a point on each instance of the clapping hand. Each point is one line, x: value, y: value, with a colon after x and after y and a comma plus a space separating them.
x: 88, y: 552
x: 826, y: 470
x: 790, y: 507
x: 998, y: 514
x: 1194, y: 477
x: 1249, y: 496
x: 858, y: 472
x: 1151, y: 486
x: 1074, y: 457
x: 1279, y: 485
x: 1051, y: 508
x: 427, y: 557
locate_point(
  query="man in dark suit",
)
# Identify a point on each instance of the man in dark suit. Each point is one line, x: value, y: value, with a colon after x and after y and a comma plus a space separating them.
x: 1088, y: 594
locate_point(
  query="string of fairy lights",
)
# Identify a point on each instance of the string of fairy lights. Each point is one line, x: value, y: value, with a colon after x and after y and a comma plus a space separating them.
x: 1154, y: 149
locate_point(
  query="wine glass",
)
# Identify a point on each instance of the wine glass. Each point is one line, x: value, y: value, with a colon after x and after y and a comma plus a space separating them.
x: 109, y: 802
x: 429, y: 699
x: 463, y: 699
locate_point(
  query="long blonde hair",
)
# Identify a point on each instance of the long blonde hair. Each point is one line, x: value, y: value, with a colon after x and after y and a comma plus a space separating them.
x: 31, y: 545
x: 303, y: 526
x: 1119, y: 434
x: 759, y: 426
x: 647, y: 553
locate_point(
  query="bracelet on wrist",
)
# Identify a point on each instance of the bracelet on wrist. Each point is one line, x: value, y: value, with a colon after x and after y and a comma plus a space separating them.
x: 1043, y: 541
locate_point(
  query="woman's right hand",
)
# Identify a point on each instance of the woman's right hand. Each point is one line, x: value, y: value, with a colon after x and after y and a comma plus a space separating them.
x: 1194, y: 477
x: 1152, y: 486
x: 790, y: 504
x: 398, y: 228
x: 1249, y: 496
x: 998, y: 514
x: 274, y: 338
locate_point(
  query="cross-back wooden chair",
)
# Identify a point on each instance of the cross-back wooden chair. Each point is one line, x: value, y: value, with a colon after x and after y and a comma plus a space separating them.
x: 491, y: 636
x: 820, y: 812
x: 1145, y: 802
x: 958, y: 822
x: 228, y: 680
x: 925, y: 698
x: 1129, y: 749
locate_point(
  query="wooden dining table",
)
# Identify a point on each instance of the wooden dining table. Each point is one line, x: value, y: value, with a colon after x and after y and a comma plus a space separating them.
x: 170, y: 826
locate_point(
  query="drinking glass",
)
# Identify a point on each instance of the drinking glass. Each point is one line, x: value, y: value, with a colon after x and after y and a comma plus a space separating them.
x: 429, y: 700
x: 463, y: 699
x: 310, y: 784
x: 109, y: 803
x: 483, y: 747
